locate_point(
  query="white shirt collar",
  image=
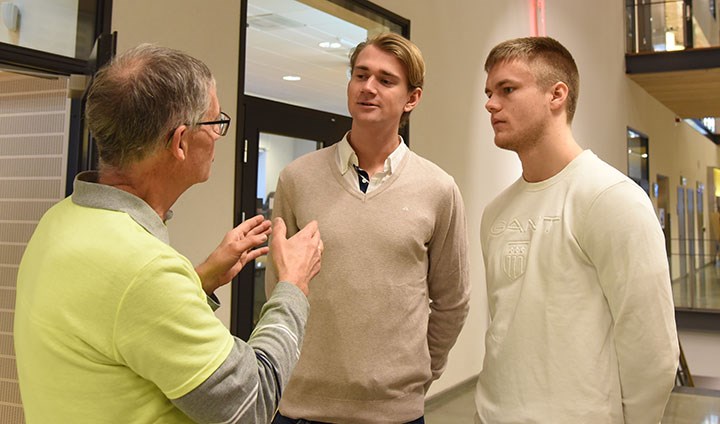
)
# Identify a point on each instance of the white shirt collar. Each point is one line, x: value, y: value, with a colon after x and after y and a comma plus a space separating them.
x: 347, y: 156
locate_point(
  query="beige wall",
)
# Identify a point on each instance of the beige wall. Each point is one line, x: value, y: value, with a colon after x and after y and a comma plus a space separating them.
x: 706, y: 27
x: 451, y: 126
x: 676, y: 150
x: 209, y: 31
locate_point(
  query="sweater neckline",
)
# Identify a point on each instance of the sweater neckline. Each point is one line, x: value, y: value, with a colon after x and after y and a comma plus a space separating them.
x: 574, y: 164
x: 345, y: 184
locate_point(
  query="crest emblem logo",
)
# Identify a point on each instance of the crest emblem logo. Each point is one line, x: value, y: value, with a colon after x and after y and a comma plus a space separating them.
x: 514, y: 259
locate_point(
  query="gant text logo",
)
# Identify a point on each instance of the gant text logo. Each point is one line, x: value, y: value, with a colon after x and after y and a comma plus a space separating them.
x: 542, y: 223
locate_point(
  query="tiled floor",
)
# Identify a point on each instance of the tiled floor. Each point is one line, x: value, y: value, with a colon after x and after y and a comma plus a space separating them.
x: 702, y: 291
x: 686, y: 406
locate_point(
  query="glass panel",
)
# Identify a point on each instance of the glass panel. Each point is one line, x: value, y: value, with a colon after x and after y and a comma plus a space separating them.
x: 701, y: 259
x: 34, y: 121
x: 64, y: 27
x: 680, y: 274
x: 662, y: 25
x: 638, y: 159
x: 275, y: 152
x: 297, y: 51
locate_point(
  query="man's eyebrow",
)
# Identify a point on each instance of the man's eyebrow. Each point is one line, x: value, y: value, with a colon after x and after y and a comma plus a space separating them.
x: 382, y: 71
x: 504, y: 82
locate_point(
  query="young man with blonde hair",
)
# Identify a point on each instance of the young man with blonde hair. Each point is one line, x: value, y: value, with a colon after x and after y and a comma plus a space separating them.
x: 583, y: 327
x: 393, y: 293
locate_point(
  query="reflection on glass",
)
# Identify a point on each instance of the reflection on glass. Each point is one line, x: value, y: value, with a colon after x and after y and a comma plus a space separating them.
x: 297, y: 51
x: 662, y: 26
x: 638, y: 159
x: 696, y: 276
x: 276, y: 152
x: 64, y: 27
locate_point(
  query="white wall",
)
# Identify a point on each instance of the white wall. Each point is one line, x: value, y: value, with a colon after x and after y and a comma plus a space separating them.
x: 280, y: 152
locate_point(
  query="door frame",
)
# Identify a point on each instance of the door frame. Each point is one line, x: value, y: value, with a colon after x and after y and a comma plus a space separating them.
x: 266, y: 116
x: 257, y: 115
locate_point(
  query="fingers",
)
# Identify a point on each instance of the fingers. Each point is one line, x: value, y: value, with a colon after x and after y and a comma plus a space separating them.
x: 246, y: 243
x: 255, y: 225
x: 279, y: 229
x: 263, y: 228
x: 297, y: 259
x: 256, y: 253
x: 310, y: 229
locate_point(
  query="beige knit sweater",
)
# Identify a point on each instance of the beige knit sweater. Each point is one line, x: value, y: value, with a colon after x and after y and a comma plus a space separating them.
x: 392, y: 294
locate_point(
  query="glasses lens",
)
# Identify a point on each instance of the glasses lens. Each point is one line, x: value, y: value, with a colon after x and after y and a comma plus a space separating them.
x: 225, y: 124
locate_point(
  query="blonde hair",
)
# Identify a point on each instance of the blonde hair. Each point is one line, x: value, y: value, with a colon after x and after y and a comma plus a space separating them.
x: 550, y: 61
x: 408, y: 54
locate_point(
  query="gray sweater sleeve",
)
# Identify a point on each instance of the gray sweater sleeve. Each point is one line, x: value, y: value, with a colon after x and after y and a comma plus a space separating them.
x: 247, y: 387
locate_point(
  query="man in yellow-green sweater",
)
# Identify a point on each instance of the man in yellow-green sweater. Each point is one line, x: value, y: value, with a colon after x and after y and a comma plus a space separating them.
x: 114, y: 325
x: 393, y: 293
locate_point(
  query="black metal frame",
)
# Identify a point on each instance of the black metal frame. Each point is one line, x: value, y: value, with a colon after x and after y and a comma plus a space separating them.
x: 680, y: 60
x: 256, y: 115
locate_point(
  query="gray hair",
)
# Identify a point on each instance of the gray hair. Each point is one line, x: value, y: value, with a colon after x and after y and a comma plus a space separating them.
x: 136, y: 101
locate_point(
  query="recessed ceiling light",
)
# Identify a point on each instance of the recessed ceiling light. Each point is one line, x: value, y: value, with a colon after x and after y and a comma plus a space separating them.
x: 291, y: 78
x: 330, y: 45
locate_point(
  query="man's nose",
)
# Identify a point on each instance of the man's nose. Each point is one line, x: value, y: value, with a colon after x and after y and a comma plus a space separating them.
x: 370, y: 85
x: 491, y: 105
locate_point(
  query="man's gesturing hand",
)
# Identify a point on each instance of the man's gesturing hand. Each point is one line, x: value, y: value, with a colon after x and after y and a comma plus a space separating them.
x: 297, y: 259
x: 238, y: 247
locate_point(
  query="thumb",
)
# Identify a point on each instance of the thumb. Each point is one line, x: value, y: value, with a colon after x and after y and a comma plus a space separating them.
x: 279, y: 229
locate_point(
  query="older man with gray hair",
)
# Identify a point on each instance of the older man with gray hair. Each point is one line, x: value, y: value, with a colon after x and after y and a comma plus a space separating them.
x: 114, y: 325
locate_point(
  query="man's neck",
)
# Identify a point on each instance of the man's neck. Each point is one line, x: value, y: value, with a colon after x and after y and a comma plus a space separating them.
x: 373, y: 147
x: 549, y: 156
x: 144, y: 181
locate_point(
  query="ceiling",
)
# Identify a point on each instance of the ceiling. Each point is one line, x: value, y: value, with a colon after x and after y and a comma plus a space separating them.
x: 691, y: 94
x: 283, y: 39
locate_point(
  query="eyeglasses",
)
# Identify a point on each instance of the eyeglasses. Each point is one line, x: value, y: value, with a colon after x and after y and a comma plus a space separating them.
x: 220, y: 125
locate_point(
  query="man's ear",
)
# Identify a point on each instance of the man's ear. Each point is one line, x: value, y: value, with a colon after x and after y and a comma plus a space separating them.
x: 559, y: 93
x: 178, y: 143
x: 413, y: 99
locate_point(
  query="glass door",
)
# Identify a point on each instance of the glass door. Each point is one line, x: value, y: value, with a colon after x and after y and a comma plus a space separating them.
x: 274, y: 135
x: 274, y: 153
x: 294, y: 69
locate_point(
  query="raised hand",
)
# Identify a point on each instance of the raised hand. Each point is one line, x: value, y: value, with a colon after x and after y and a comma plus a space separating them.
x: 297, y: 259
x: 238, y: 247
